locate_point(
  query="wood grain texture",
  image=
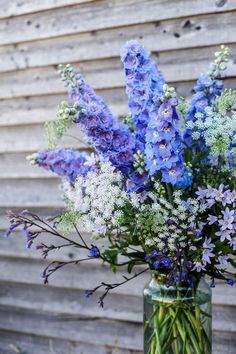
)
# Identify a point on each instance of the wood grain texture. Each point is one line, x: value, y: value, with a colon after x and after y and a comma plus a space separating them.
x: 30, y: 344
x: 109, y: 14
x: 35, y: 36
x: 21, y: 7
x: 156, y: 36
x: 104, y: 74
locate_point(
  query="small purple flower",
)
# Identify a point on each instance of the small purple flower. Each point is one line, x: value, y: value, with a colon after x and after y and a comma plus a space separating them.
x: 87, y: 294
x: 199, y: 267
x: 177, y: 279
x: 224, y: 235
x: 212, y: 219
x: 156, y: 264
x: 208, y: 247
x: 94, y: 252
x: 223, y: 261
x: 154, y: 254
x: 198, y: 233
x: 165, y: 111
x: 11, y: 228
x: 230, y: 282
x: 228, y: 219
x: 213, y: 283
x: 166, y: 262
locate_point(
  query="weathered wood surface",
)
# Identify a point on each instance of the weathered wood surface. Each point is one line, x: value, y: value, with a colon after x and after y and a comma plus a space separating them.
x: 159, y: 37
x: 35, y: 36
x: 35, y: 82
x: 109, y: 14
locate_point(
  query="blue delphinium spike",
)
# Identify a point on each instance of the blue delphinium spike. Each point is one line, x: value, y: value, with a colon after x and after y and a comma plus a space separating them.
x: 207, y: 88
x: 164, y: 147
x: 143, y: 82
x: 106, y: 134
x: 64, y: 162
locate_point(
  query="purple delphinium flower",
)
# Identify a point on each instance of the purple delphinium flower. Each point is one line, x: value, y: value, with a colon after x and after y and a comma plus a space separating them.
x: 164, y: 149
x: 143, y: 82
x: 205, y: 92
x: 106, y: 134
x: 185, y: 180
x: 64, y: 162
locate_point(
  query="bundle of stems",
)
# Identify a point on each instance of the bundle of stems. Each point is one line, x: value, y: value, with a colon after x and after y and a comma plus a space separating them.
x: 177, y: 326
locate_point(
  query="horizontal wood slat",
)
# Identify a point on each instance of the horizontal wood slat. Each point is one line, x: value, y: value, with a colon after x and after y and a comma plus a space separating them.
x: 14, y: 342
x: 27, y: 344
x: 105, y: 332
x: 109, y: 14
x: 29, y: 193
x: 34, y: 110
x: 16, y: 166
x: 20, y: 7
x: 105, y: 74
x: 32, y: 137
x: 105, y: 44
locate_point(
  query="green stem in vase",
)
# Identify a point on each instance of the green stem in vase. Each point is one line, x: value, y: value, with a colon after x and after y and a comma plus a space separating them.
x: 156, y: 330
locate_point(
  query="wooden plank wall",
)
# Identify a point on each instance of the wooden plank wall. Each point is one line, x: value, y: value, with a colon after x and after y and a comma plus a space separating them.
x: 34, y: 37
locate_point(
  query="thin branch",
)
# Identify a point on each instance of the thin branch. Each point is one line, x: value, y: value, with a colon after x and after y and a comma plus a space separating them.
x: 58, y: 264
x: 79, y: 234
x: 108, y: 287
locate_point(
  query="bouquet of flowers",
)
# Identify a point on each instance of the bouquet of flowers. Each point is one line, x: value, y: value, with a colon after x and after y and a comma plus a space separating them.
x: 159, y: 190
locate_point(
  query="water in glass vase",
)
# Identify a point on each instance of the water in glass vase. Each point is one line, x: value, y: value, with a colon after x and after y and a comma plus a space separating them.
x: 177, y: 320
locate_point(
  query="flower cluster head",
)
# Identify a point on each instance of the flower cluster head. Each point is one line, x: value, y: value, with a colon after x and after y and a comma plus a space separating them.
x: 97, y: 199
x: 225, y: 220
x: 164, y: 149
x: 216, y: 126
x: 143, y: 82
x: 206, y: 90
x: 66, y: 163
x: 106, y: 134
x: 166, y: 225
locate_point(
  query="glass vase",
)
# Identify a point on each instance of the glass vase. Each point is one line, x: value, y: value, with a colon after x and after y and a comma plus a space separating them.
x: 177, y: 320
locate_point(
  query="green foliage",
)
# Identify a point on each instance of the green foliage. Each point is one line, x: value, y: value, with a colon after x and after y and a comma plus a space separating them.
x: 55, y: 130
x: 128, y: 120
x: 67, y: 221
x: 182, y: 109
x: 67, y: 74
x: 226, y: 100
x: 221, y: 57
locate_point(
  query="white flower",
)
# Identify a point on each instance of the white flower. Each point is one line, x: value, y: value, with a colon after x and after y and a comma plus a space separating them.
x: 98, y: 198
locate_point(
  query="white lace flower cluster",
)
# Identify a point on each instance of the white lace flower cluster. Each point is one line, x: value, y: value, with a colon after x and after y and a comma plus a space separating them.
x: 98, y: 199
x: 172, y: 222
x: 217, y: 128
